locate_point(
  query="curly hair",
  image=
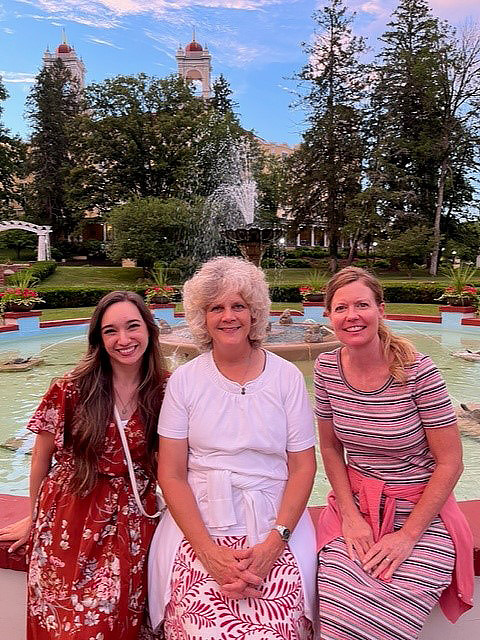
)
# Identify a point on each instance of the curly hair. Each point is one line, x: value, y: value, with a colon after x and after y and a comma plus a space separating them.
x: 93, y: 378
x: 398, y: 351
x: 212, y: 281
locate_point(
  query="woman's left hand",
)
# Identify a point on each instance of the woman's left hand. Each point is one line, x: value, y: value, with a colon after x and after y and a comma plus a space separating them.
x: 265, y: 554
x: 386, y: 555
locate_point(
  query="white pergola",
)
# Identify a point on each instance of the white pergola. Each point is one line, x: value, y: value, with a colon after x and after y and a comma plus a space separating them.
x: 42, y: 231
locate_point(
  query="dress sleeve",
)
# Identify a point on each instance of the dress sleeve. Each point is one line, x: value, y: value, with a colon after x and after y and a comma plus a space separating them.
x: 173, y: 418
x: 300, y: 427
x: 50, y: 413
x: 323, y: 408
x: 431, y: 396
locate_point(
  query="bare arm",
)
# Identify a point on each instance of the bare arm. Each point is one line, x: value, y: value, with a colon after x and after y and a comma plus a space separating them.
x: 224, y: 565
x: 389, y: 552
x: 41, y: 460
x: 356, y: 531
x: 301, y: 473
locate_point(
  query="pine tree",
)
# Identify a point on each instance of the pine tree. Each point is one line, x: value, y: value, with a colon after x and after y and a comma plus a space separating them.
x: 221, y: 99
x: 52, y: 107
x: 328, y: 166
x: 406, y: 113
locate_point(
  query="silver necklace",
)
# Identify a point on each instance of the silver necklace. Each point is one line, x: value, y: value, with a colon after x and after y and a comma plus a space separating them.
x: 244, y: 376
x: 125, y: 406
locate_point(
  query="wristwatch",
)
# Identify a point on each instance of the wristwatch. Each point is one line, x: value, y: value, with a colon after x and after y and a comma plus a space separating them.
x: 284, y: 532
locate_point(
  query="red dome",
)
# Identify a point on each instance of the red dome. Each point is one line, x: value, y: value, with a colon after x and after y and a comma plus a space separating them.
x: 194, y: 46
x: 64, y: 48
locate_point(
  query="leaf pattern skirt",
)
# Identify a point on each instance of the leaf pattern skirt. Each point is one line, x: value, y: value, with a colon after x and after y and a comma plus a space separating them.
x: 198, y: 610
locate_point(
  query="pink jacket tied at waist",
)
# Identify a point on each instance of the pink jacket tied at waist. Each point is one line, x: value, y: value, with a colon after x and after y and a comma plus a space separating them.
x: 458, y: 596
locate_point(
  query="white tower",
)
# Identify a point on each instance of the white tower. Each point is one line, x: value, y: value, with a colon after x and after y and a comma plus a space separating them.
x: 68, y: 56
x: 194, y: 65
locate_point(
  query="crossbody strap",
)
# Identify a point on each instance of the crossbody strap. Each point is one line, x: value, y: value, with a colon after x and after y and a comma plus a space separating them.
x: 131, y: 473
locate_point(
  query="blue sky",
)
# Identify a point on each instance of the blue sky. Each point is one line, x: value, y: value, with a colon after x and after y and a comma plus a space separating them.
x: 254, y: 43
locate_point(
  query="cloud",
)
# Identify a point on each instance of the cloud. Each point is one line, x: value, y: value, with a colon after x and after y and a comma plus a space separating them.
x: 17, y: 77
x: 8, y: 31
x: 107, y: 43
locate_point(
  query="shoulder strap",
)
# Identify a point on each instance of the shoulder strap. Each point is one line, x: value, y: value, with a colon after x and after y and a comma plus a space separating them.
x: 131, y: 473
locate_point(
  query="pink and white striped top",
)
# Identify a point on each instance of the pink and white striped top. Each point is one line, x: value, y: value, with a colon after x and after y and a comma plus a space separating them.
x: 382, y: 431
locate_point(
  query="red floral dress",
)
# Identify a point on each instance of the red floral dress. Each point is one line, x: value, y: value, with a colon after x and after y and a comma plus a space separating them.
x: 87, y: 572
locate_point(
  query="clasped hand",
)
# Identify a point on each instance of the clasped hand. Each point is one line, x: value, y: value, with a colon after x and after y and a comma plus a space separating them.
x: 240, y: 572
x: 379, y: 559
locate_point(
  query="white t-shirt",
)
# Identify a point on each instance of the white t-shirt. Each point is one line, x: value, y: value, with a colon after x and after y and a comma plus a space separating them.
x: 237, y: 461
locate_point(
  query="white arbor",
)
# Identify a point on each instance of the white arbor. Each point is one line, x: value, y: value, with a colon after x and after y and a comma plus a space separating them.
x: 42, y: 231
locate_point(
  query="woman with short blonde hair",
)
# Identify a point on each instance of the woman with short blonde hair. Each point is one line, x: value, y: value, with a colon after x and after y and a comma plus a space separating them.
x: 235, y: 553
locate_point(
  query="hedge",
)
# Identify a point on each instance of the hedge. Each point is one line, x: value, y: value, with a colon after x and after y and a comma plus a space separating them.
x: 418, y: 293
x: 39, y: 270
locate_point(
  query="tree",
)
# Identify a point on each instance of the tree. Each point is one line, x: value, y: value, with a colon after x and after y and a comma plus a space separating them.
x: 12, y: 156
x: 408, y: 247
x: 326, y: 171
x: 139, y: 140
x: 406, y: 115
x: 221, y: 99
x: 18, y: 240
x: 52, y: 107
x: 459, y: 134
x: 151, y: 229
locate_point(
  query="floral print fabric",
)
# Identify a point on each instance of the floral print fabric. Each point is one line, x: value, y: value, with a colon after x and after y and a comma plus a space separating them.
x: 198, y: 610
x: 86, y: 577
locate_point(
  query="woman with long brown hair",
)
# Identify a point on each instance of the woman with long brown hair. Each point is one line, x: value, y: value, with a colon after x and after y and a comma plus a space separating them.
x: 392, y: 540
x: 89, y: 533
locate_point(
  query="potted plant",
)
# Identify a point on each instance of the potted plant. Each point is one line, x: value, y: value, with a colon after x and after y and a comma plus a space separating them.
x: 18, y: 299
x: 459, y: 292
x: 19, y: 296
x: 313, y: 290
x: 160, y: 292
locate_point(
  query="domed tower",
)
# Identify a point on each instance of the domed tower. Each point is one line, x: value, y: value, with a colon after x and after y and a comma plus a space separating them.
x: 194, y: 65
x: 68, y: 56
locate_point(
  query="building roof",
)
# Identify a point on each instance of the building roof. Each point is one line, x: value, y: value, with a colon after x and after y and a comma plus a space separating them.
x: 64, y: 48
x: 194, y: 46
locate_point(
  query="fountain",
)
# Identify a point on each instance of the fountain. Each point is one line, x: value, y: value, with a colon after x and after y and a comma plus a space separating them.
x: 231, y: 207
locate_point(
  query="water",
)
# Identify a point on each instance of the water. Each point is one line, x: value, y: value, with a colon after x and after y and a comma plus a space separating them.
x: 21, y: 392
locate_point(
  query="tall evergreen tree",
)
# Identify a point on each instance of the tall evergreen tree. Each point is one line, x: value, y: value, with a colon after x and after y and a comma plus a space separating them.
x: 406, y: 114
x: 326, y: 171
x: 221, y: 99
x: 12, y: 156
x: 52, y: 107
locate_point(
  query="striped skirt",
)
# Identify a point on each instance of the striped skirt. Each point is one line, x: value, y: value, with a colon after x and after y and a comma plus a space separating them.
x: 199, y: 611
x: 355, y: 606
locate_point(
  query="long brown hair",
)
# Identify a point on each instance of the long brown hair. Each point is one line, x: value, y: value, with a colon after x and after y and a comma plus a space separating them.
x: 398, y: 351
x: 94, y: 409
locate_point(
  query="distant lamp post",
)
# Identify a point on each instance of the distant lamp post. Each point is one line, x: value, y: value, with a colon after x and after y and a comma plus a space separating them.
x: 374, y: 245
x: 281, y: 241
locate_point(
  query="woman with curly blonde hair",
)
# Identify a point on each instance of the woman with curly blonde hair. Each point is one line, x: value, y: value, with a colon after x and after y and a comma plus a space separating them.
x: 236, y: 549
x: 392, y: 541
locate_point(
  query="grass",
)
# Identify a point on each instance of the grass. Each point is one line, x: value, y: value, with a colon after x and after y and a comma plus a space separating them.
x: 115, y: 277
x: 393, y: 307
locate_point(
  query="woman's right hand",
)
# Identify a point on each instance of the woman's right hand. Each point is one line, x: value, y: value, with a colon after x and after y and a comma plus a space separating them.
x: 18, y: 531
x: 229, y: 568
x: 357, y: 534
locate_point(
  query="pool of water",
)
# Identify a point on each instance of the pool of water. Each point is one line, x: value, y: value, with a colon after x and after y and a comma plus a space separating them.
x: 21, y: 391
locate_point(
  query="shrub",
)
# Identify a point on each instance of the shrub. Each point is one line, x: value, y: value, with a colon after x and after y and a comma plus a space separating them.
x: 37, y: 272
x: 285, y: 293
x: 296, y: 263
x: 419, y: 293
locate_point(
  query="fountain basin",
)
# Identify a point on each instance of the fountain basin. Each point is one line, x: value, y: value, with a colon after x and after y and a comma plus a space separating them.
x: 286, y: 341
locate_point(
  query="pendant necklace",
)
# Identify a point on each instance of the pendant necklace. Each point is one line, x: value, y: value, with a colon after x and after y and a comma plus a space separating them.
x: 242, y: 391
x: 124, y: 406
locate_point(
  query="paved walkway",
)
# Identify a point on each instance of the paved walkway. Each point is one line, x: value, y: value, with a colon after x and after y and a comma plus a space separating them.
x: 12, y: 604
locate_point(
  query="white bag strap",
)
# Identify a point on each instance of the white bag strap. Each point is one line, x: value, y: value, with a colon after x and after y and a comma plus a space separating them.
x: 130, y: 466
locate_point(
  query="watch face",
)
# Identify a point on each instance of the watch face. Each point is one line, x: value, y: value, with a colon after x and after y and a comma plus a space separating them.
x: 286, y: 534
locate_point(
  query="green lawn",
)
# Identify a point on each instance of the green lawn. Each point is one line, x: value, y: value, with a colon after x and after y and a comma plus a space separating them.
x: 393, y: 307
x: 127, y: 277
x: 116, y: 277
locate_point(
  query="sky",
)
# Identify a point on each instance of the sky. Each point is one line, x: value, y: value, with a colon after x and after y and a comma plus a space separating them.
x: 255, y: 44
